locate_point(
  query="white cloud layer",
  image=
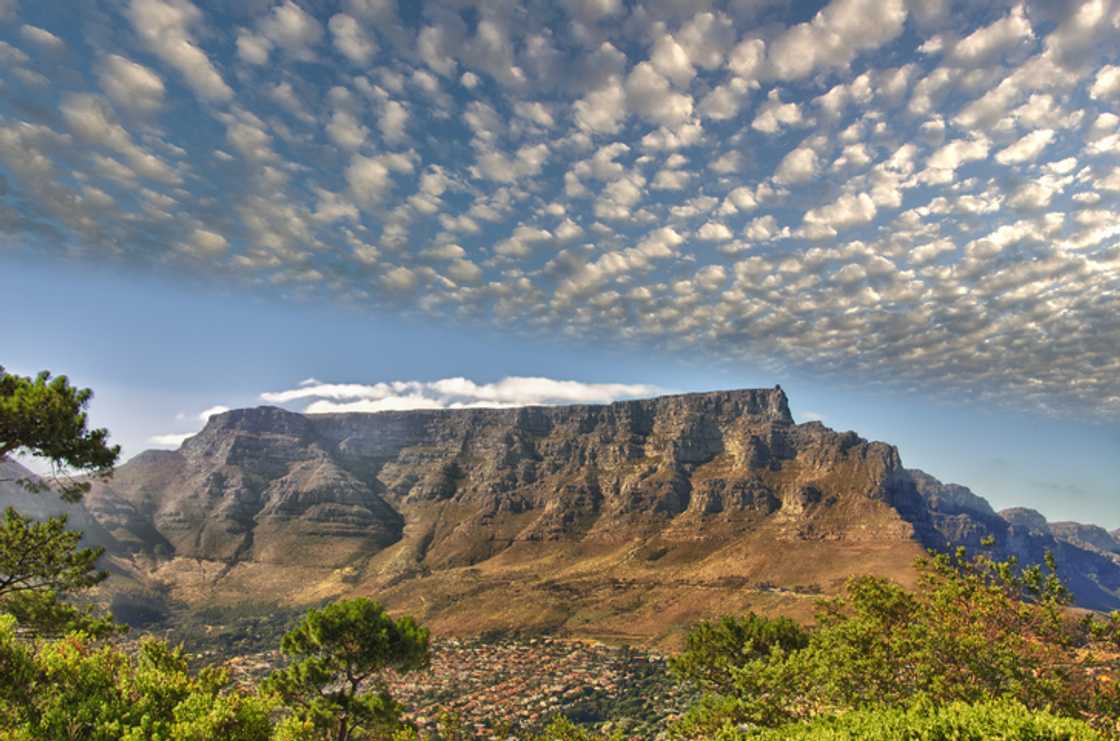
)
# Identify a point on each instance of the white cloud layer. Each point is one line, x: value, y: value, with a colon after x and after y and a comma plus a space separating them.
x: 454, y: 393
x: 175, y: 439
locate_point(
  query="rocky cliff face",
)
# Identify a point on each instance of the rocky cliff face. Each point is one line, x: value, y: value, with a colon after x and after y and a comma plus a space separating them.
x: 1089, y: 537
x: 624, y: 519
x: 1085, y: 561
x: 272, y: 486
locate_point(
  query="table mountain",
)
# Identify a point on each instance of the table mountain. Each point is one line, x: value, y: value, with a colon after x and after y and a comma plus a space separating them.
x: 624, y: 520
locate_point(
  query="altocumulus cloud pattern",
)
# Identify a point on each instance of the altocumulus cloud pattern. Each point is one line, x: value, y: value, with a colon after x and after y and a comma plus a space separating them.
x: 922, y: 193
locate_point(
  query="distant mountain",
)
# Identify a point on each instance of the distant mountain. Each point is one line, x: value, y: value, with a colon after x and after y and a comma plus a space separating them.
x: 627, y: 520
x: 1083, y: 552
x: 47, y: 504
x: 1090, y: 537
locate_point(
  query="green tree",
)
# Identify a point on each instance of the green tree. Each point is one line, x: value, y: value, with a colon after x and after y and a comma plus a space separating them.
x: 76, y: 688
x: 1003, y: 719
x: 42, y: 563
x: 973, y: 631
x: 714, y: 649
x: 335, y: 686
x: 46, y: 418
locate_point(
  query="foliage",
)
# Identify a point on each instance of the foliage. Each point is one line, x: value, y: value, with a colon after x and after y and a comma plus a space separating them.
x: 714, y: 649
x: 45, y: 417
x: 1003, y: 719
x: 43, y: 613
x: 973, y: 631
x: 451, y: 727
x: 41, y: 563
x: 76, y: 687
x: 334, y: 685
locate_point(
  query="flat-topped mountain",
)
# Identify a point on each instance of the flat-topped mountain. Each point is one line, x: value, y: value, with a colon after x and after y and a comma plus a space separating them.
x: 629, y: 519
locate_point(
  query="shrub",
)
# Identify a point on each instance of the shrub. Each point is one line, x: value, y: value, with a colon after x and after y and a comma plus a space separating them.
x: 953, y: 722
x: 974, y: 631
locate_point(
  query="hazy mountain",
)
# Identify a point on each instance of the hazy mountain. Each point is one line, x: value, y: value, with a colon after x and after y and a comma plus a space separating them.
x: 629, y: 519
x: 1090, y: 537
x: 47, y: 504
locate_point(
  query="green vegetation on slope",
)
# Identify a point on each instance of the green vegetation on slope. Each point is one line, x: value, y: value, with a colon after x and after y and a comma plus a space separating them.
x: 974, y: 631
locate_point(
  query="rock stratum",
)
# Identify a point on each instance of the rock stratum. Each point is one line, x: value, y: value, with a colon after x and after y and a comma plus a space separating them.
x: 623, y: 521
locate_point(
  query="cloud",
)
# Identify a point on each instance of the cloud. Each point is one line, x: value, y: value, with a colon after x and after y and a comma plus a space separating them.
x: 41, y: 37
x: 602, y: 110
x: 370, y: 178
x: 649, y: 95
x: 455, y: 393
x: 165, y: 28
x: 289, y: 27
x: 93, y: 121
x: 205, y: 415
x: 986, y: 44
x: 876, y: 190
x: 797, y: 167
x: 171, y: 440
x: 834, y: 36
x: 351, y: 39
x: 175, y: 439
x: 671, y: 60
x: 204, y: 243
x: 1026, y: 149
x: 942, y: 165
x: 774, y: 114
x: 1107, y: 83
x: 131, y: 85
x: 846, y: 211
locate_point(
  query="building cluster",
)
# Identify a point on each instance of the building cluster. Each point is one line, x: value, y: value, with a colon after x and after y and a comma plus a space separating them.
x: 494, y: 688
x: 498, y: 688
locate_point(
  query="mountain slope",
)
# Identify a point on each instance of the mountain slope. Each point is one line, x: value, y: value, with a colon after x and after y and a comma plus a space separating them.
x: 625, y: 520
x: 961, y: 518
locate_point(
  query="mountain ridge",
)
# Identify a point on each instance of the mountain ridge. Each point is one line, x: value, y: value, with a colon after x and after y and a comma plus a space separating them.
x: 623, y: 520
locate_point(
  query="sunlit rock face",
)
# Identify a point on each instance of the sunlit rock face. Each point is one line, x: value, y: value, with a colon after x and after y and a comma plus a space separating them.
x: 687, y: 489
x: 270, y: 485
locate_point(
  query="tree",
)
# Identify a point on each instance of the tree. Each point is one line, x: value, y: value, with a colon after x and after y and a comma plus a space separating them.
x: 1004, y: 719
x: 76, y: 688
x: 973, y: 631
x: 335, y: 684
x: 45, y: 417
x: 39, y: 563
x: 714, y: 649
x: 42, y: 563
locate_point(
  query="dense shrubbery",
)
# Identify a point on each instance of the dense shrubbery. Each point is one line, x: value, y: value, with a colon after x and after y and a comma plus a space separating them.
x: 82, y: 687
x: 974, y: 632
x: 77, y: 687
x: 1005, y: 719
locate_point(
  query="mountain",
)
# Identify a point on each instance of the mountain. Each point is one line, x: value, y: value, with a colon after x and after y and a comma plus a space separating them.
x: 1089, y: 537
x: 626, y: 520
x: 47, y: 504
x: 1086, y: 561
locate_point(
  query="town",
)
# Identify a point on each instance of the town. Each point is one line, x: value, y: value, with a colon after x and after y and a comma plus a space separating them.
x: 496, y: 688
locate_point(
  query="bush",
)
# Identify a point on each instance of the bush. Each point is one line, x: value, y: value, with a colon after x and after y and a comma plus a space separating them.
x: 953, y: 722
x: 974, y: 631
x: 714, y: 649
x: 76, y: 687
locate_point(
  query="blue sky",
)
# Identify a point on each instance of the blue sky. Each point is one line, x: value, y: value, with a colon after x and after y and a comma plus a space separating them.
x: 905, y: 213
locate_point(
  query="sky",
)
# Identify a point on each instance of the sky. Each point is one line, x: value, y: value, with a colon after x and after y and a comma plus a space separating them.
x: 905, y: 213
